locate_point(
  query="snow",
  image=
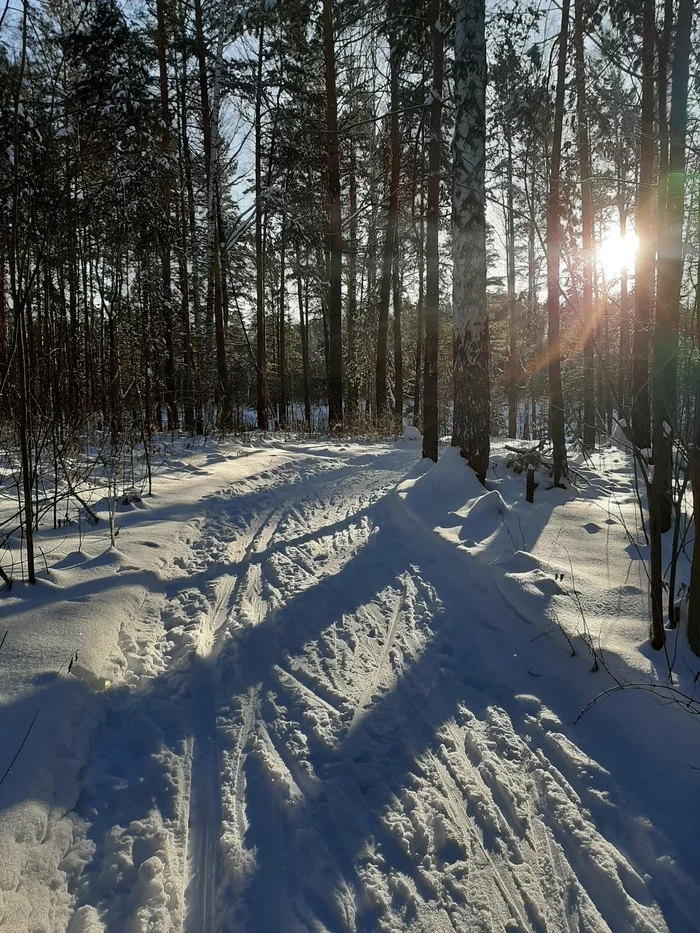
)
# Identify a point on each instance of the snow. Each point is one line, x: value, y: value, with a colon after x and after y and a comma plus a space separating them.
x: 329, y: 686
x: 412, y: 435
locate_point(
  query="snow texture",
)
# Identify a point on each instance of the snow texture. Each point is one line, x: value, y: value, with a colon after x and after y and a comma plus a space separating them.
x: 328, y: 687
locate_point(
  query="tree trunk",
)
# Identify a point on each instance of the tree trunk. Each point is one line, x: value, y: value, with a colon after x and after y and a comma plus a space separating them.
x: 222, y: 391
x: 420, y: 326
x: 187, y: 353
x: 644, y: 266
x: 529, y: 421
x: 351, y: 368
x: 556, y: 398
x: 513, y: 359
x: 282, y: 364
x: 588, y: 323
x: 261, y: 337
x: 3, y: 316
x: 166, y: 231
x: 25, y: 446
x: 304, y: 333
x: 670, y: 272
x: 215, y: 356
x: 398, y: 348
x: 191, y: 238
x: 391, y: 237
x: 623, y: 362
x: 335, y: 232
x: 432, y: 304
x: 668, y: 317
x: 471, y: 423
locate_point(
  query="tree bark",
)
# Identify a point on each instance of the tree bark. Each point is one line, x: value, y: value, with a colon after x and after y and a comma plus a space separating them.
x: 644, y: 267
x: 624, y: 323
x: 389, y: 257
x: 420, y: 326
x: 398, y: 347
x: 166, y: 231
x: 670, y: 272
x: 588, y: 324
x: 471, y: 422
x: 556, y: 398
x: 282, y: 363
x: 432, y: 303
x: 261, y: 338
x: 665, y: 366
x: 351, y: 369
x: 25, y: 445
x: 513, y: 358
x: 335, y: 232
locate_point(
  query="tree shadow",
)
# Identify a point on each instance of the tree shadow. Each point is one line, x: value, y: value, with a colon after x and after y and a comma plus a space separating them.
x: 131, y: 787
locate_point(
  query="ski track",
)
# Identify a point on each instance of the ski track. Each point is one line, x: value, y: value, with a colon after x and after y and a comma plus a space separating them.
x: 333, y: 753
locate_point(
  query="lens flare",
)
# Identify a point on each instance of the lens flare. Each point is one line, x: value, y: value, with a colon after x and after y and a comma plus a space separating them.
x: 617, y: 253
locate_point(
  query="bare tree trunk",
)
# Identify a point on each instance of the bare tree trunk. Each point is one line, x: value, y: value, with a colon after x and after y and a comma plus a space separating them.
x: 166, y: 232
x: 390, y: 238
x: 432, y: 303
x: 187, y: 353
x: 670, y: 272
x: 216, y: 391
x: 624, y: 321
x: 3, y: 314
x: 304, y: 334
x: 556, y: 398
x: 471, y: 422
x: 191, y: 239
x: 282, y: 364
x: 513, y: 358
x: 644, y: 266
x: 335, y: 231
x: 259, y: 253
x: 420, y: 325
x: 588, y: 234
x: 222, y: 389
x: 665, y: 369
x: 351, y: 369
x: 25, y: 446
x: 398, y: 348
x: 529, y: 426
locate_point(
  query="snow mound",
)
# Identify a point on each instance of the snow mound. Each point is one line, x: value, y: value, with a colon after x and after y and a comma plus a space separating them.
x: 519, y: 562
x: 443, y: 488
x: 85, y: 920
x: 529, y: 590
x: 412, y: 435
x: 481, y: 517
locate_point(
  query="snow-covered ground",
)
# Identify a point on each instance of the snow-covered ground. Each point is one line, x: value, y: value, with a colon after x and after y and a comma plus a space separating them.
x: 331, y: 687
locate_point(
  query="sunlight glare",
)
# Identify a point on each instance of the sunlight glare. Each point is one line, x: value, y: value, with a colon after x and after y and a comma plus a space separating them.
x: 616, y: 253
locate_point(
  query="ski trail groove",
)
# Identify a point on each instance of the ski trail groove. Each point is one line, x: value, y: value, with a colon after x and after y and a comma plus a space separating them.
x: 205, y: 781
x: 368, y: 692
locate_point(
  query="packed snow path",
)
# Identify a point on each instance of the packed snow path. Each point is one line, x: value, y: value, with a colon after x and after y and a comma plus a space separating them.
x: 323, y: 730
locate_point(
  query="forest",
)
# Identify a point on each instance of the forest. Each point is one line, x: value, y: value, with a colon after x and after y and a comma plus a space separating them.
x: 283, y: 215
x: 349, y: 450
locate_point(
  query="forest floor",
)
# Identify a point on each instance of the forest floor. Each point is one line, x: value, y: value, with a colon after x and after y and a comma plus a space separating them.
x: 326, y: 686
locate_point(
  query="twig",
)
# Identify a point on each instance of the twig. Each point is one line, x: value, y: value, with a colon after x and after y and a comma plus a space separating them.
x: 21, y: 746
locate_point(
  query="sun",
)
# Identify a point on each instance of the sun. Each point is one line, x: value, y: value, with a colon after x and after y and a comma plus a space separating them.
x: 617, y: 253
